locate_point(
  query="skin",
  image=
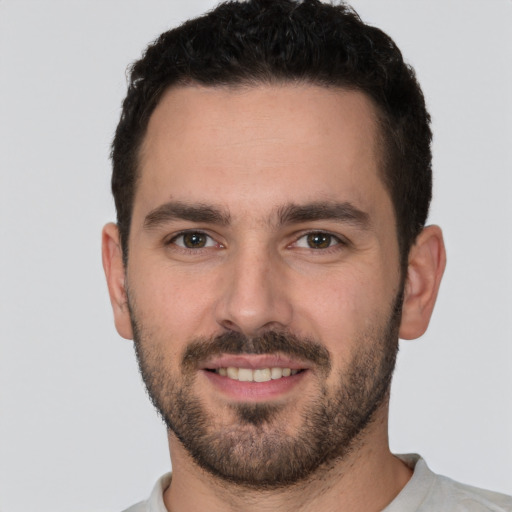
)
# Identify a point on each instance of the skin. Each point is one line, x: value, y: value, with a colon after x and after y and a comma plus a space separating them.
x: 249, y: 152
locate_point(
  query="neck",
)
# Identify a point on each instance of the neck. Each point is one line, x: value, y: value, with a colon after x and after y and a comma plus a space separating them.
x: 367, y: 479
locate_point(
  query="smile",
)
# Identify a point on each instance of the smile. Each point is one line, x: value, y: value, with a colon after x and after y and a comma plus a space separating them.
x: 255, y: 375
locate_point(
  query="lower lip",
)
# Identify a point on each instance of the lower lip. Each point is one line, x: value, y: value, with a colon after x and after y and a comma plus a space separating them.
x: 254, y: 391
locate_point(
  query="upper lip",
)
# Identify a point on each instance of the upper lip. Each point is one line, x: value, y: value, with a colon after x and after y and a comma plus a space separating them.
x: 254, y: 362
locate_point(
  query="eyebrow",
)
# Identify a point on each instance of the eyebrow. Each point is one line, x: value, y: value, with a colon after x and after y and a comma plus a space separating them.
x: 344, y: 212
x: 177, y: 210
x: 289, y: 214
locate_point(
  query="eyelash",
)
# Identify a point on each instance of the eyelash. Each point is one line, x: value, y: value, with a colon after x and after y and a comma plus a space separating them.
x: 183, y: 247
x: 335, y: 242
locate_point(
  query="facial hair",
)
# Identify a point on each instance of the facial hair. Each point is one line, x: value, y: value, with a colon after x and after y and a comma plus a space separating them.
x: 257, y: 450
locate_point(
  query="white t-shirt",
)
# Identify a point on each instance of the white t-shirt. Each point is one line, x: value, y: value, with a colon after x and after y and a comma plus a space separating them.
x: 425, y: 492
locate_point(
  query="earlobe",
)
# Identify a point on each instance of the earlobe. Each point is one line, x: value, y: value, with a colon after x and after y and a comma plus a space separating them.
x: 113, y: 266
x: 427, y: 261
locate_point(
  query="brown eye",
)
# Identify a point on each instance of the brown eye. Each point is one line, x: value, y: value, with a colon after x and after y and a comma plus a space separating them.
x: 319, y: 240
x: 194, y: 240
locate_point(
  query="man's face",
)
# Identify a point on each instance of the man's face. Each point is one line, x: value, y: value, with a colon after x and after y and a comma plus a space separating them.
x: 263, y: 248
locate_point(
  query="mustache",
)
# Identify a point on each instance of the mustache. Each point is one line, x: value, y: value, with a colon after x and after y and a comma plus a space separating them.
x: 270, y: 342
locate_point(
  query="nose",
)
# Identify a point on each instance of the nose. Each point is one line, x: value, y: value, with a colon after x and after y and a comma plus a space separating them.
x: 254, y: 294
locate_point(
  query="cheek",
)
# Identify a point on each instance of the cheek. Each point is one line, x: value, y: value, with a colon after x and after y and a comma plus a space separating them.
x: 339, y: 309
x: 173, y: 303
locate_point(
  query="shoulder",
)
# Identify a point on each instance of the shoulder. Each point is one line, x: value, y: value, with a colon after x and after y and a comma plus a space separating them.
x: 468, y: 498
x: 427, y: 492
x: 138, y: 507
x: 155, y: 502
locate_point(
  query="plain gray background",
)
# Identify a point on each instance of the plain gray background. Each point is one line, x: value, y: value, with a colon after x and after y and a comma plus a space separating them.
x: 76, y: 429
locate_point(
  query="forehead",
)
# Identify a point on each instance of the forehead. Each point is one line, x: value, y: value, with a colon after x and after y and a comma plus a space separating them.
x: 261, y: 146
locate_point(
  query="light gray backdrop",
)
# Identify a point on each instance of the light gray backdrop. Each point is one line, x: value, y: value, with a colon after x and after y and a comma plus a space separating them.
x: 76, y: 429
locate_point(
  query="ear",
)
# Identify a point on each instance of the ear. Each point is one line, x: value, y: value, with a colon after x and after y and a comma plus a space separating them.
x: 112, y: 256
x: 427, y: 260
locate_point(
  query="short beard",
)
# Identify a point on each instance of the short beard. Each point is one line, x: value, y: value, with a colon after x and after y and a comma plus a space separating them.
x: 257, y: 451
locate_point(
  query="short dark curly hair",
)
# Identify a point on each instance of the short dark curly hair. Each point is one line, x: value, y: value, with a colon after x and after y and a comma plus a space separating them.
x: 277, y: 41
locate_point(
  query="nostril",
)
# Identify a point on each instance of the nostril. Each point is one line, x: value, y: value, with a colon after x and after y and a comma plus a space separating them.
x: 249, y: 308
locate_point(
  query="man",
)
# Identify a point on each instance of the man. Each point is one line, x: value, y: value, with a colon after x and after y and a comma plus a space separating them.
x: 272, y: 179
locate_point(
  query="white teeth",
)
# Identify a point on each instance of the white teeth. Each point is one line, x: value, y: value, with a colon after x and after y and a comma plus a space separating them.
x: 259, y: 375
x: 262, y: 375
x: 276, y: 373
x: 232, y: 373
x: 245, y: 375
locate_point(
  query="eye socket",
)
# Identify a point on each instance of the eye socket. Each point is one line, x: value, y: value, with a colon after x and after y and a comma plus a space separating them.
x: 193, y: 240
x: 317, y: 240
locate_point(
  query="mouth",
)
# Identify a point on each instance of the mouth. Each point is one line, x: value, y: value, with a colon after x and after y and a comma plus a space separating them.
x: 255, y: 375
